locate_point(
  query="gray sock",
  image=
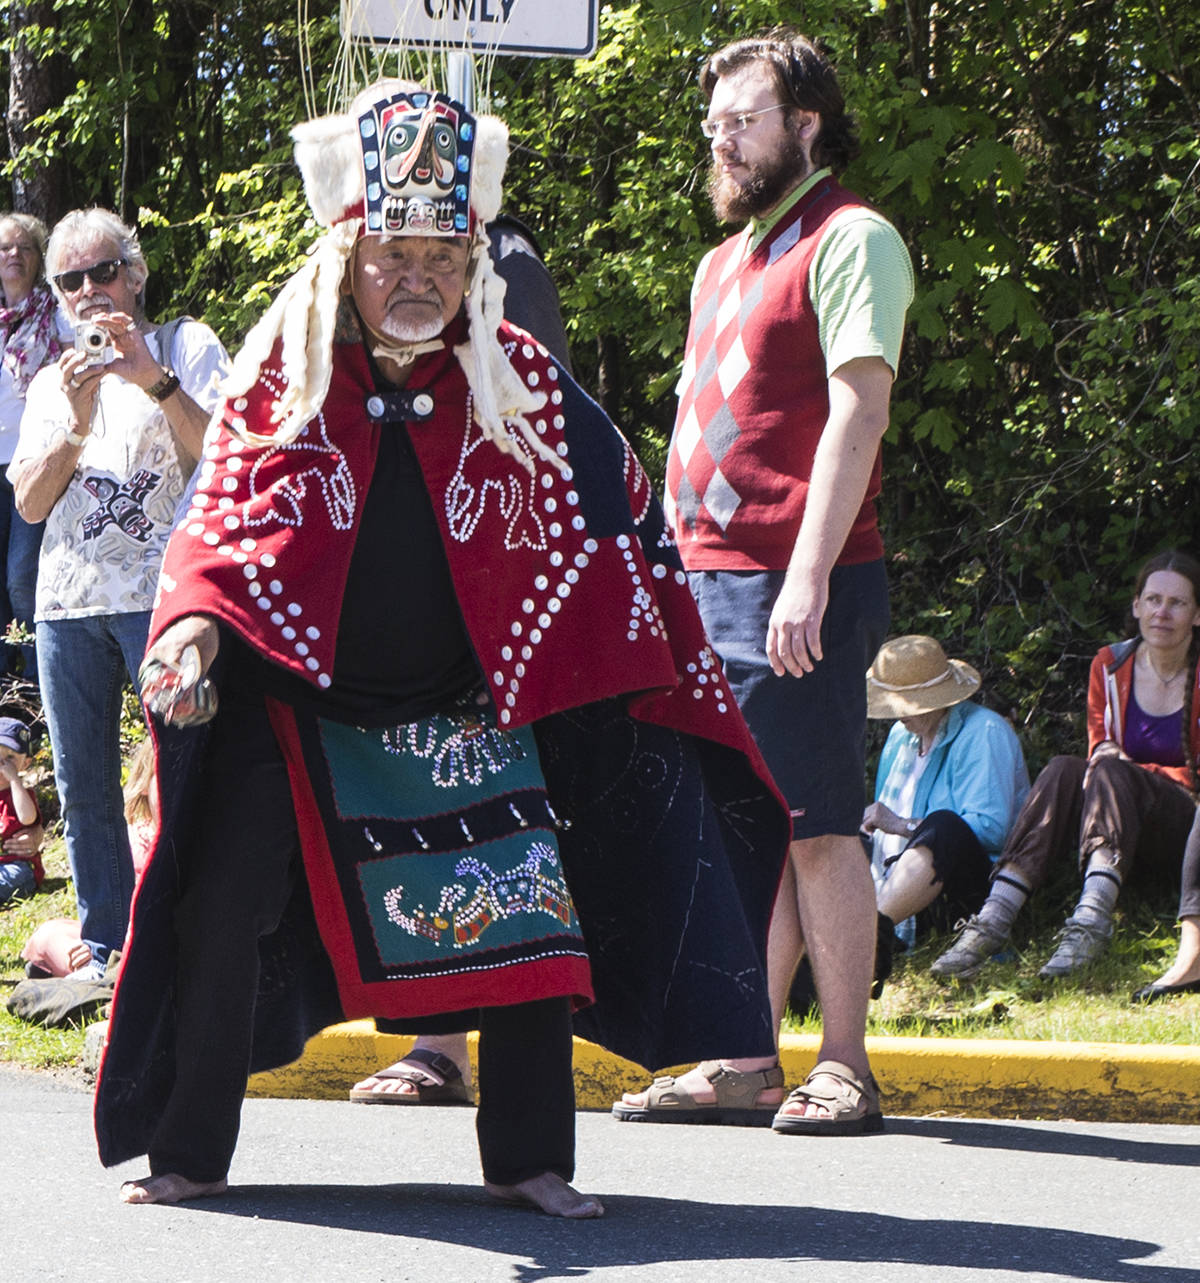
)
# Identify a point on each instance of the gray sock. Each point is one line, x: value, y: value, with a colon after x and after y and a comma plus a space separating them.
x: 1008, y: 894
x: 1101, y: 886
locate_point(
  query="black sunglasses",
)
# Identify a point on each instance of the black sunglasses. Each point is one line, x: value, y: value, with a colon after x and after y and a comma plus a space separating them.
x: 102, y: 273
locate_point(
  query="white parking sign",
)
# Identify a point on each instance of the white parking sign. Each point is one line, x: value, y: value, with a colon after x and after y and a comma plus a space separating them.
x: 534, y: 28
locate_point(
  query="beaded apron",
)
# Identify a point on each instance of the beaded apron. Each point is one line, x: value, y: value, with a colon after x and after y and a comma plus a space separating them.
x: 442, y: 846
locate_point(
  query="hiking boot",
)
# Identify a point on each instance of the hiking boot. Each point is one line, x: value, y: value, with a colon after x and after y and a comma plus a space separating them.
x: 1079, y: 943
x: 977, y: 942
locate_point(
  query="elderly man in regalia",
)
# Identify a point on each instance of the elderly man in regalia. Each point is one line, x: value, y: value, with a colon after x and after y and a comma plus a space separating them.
x: 440, y: 738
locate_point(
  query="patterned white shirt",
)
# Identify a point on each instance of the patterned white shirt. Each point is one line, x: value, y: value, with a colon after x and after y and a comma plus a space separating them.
x: 105, y: 536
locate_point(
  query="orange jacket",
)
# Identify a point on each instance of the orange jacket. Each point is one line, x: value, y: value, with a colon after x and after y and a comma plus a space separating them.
x: 1109, y: 684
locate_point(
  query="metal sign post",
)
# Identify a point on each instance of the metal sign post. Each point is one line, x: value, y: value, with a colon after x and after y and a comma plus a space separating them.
x: 460, y: 78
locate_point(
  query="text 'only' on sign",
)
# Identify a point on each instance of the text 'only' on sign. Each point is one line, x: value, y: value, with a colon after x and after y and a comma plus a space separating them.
x: 532, y: 28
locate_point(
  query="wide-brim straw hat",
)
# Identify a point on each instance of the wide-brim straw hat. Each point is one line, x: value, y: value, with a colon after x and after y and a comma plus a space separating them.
x: 911, y: 675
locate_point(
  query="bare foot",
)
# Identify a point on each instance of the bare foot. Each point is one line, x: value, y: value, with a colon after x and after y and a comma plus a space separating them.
x: 169, y: 1188
x: 549, y: 1193
x: 701, y: 1089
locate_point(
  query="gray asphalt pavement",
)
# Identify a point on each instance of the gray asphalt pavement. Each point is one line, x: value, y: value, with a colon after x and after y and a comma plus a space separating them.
x: 326, y: 1191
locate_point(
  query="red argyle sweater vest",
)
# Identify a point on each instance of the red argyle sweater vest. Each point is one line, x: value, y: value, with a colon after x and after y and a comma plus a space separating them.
x: 753, y: 400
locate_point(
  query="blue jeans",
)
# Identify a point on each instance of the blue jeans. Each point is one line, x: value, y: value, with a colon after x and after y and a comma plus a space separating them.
x: 84, y: 664
x: 20, y: 545
x: 16, y: 881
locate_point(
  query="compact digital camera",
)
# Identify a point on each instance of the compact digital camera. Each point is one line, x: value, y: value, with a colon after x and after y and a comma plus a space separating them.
x: 95, y: 343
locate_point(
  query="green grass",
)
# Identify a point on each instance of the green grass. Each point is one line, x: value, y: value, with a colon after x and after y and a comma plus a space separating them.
x: 20, y: 1042
x: 1009, y: 1000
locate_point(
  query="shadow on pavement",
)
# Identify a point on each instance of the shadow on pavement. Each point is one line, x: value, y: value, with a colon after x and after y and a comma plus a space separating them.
x: 1047, y: 1139
x: 649, y: 1231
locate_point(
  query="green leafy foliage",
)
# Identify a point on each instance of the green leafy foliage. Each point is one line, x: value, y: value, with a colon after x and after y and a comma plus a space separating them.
x: 1040, y: 161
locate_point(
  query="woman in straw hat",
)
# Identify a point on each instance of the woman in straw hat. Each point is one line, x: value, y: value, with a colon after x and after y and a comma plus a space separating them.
x: 951, y: 780
x: 1131, y: 802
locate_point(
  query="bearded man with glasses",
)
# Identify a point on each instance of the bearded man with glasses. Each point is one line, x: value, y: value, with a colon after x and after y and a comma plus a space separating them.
x: 772, y: 476
x: 110, y: 436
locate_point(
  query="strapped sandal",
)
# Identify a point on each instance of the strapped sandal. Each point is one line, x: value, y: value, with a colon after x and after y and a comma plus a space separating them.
x: 737, y: 1092
x: 852, y: 1104
x: 452, y: 1090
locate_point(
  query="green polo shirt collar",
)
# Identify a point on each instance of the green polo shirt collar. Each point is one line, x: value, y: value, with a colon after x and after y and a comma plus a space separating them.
x: 759, y: 227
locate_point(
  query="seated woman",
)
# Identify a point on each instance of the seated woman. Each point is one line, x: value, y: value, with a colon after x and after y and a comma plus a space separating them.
x: 950, y: 782
x: 1130, y: 802
x: 1184, y: 974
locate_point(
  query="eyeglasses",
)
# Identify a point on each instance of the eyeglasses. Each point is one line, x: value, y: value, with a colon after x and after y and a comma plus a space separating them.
x: 102, y: 273
x: 730, y: 125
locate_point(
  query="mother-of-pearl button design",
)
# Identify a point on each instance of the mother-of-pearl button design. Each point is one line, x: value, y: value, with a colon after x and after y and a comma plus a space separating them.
x: 238, y: 485
x: 707, y: 678
x: 549, y: 592
x: 643, y: 608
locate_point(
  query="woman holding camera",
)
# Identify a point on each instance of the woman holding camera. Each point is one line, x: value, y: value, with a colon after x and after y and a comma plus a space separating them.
x: 31, y: 330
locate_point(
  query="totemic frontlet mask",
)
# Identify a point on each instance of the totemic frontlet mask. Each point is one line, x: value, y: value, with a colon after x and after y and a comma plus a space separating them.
x: 417, y: 151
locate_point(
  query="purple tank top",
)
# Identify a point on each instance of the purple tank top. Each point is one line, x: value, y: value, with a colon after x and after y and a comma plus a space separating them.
x: 1153, y: 739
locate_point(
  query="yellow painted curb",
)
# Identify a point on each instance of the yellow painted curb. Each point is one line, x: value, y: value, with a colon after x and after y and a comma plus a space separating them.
x: 975, y: 1078
x: 1110, y: 1082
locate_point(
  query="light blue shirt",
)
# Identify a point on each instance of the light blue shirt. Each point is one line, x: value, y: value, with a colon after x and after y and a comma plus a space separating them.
x: 974, y: 768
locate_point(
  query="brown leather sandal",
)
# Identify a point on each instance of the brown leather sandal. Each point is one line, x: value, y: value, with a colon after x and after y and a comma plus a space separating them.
x: 737, y: 1092
x: 851, y: 1104
x: 452, y: 1090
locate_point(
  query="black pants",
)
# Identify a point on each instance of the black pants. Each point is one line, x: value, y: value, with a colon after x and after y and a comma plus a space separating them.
x: 240, y: 873
x: 960, y: 864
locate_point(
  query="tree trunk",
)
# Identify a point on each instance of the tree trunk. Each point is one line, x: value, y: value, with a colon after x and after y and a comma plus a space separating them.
x: 31, y: 92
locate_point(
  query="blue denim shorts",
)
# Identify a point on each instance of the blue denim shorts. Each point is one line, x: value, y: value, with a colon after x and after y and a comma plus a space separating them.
x: 811, y: 730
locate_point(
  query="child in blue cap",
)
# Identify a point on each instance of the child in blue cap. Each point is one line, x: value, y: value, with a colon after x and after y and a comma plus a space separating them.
x: 20, y: 875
